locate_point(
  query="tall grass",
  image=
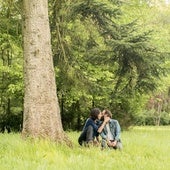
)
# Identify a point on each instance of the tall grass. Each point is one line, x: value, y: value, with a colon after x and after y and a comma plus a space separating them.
x: 144, y: 148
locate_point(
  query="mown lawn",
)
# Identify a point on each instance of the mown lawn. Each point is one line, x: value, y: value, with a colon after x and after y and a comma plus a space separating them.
x: 144, y: 148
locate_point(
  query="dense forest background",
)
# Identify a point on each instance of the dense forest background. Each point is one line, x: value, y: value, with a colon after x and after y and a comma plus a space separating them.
x: 107, y: 54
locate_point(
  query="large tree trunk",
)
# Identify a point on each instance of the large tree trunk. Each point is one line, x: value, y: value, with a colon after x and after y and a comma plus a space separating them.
x: 41, y: 108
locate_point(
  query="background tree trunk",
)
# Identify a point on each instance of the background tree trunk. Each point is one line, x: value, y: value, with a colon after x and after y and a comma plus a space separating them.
x: 41, y: 109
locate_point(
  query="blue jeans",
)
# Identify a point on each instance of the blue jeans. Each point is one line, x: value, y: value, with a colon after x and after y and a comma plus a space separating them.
x: 87, y: 135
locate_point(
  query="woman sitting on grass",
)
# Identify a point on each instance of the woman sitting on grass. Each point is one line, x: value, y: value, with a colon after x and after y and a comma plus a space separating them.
x: 89, y: 132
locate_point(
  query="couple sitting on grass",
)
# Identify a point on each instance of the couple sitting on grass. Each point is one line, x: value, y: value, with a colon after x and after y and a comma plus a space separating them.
x: 103, y: 124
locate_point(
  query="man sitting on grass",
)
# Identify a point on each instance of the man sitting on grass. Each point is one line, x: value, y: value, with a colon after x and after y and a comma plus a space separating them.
x: 110, y: 131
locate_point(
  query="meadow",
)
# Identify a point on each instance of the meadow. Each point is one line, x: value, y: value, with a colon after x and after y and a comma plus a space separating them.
x: 144, y: 148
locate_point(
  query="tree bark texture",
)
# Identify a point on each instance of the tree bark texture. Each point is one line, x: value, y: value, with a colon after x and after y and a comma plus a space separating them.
x: 41, y: 109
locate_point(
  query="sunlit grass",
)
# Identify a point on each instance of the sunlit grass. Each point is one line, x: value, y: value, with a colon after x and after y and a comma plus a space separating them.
x: 143, y: 148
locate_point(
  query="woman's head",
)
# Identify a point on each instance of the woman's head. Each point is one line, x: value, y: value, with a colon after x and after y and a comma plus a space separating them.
x: 95, y: 113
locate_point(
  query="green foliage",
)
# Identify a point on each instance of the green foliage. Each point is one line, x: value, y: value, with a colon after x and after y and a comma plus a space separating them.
x: 11, y: 69
x: 150, y: 118
x: 107, y: 54
x: 102, y: 59
x: 135, y: 63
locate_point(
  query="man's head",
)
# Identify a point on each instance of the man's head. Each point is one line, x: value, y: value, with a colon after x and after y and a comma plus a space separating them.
x: 107, y: 113
x: 95, y: 113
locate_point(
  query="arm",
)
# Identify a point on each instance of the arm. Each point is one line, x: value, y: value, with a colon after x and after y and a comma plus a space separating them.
x: 92, y: 123
x: 101, y: 127
x: 118, y: 131
x: 106, y: 119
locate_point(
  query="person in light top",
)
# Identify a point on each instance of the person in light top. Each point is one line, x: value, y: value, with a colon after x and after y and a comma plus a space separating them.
x: 110, y: 131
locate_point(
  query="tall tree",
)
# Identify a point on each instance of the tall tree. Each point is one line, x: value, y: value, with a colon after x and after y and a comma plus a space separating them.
x: 41, y: 108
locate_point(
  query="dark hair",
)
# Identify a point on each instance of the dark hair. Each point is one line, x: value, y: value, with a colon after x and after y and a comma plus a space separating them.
x: 94, y: 113
x: 108, y: 113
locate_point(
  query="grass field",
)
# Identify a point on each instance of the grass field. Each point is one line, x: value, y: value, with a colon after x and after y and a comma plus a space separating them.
x: 144, y: 148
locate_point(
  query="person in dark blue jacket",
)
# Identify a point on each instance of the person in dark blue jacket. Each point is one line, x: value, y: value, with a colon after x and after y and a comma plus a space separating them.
x: 90, y: 133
